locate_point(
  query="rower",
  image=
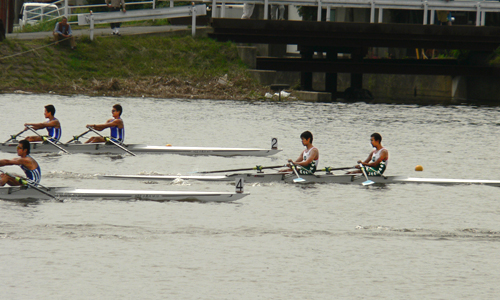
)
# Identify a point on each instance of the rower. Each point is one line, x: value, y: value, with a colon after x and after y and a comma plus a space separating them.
x: 115, y: 125
x: 309, y: 158
x: 27, y: 163
x: 52, y: 124
x: 377, y: 161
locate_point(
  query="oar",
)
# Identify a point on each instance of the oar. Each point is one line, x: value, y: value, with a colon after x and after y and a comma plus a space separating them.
x: 47, y: 139
x: 107, y: 139
x: 26, y: 181
x: 13, y: 137
x: 329, y: 169
x: 76, y: 137
x: 298, y: 179
x: 368, y: 181
x: 309, y: 171
x: 244, y: 169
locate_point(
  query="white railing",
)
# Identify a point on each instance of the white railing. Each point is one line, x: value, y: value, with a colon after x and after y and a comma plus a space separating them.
x: 64, y: 9
x: 479, y: 7
x: 143, y: 14
x: 38, y: 14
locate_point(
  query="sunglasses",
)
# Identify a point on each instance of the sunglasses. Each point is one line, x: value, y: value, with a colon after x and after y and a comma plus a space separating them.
x: 20, y: 148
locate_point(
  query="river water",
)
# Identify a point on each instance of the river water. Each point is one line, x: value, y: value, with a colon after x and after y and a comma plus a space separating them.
x: 283, y: 241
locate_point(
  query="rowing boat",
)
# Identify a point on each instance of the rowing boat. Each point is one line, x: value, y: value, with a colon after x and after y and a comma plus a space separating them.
x: 25, y: 193
x: 320, y: 178
x: 104, y: 148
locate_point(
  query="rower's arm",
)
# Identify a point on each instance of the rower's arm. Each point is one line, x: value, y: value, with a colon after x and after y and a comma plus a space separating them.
x: 10, y: 162
x: 296, y: 162
x: 313, y: 156
x: 366, y: 161
x: 36, y: 126
x: 383, y: 156
x: 115, y: 123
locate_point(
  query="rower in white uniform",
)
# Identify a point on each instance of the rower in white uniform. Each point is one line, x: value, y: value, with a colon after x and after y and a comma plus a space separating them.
x: 377, y: 161
x: 116, y: 126
x: 309, y: 158
x: 52, y: 125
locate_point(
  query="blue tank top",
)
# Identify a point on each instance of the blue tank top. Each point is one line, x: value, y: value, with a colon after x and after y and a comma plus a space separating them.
x: 33, y: 175
x: 54, y: 133
x: 118, y: 134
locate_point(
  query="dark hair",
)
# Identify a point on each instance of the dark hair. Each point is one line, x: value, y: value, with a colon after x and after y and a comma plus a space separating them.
x: 377, y: 137
x: 119, y: 108
x: 64, y: 18
x: 26, y: 145
x: 307, y: 135
x: 51, y: 109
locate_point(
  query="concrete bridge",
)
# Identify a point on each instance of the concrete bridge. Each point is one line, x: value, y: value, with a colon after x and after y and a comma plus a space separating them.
x: 346, y: 47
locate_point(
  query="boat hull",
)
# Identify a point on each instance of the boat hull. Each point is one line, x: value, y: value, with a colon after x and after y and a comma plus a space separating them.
x: 23, y: 193
x: 100, y: 148
x: 323, y: 178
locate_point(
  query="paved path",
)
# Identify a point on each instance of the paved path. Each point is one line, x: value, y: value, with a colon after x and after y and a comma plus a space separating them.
x: 133, y: 30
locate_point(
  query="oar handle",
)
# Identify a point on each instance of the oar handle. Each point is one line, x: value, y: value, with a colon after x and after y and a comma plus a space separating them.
x: 258, y: 168
x: 47, y: 139
x: 13, y: 137
x: 76, y: 137
x: 329, y: 169
x: 107, y: 139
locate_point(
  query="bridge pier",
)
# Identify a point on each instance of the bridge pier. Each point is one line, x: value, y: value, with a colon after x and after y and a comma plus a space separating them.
x: 331, y: 78
x: 306, y: 78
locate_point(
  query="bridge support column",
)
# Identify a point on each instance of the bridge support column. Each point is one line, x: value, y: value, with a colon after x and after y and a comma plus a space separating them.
x: 306, y: 78
x: 331, y: 78
x: 357, y: 79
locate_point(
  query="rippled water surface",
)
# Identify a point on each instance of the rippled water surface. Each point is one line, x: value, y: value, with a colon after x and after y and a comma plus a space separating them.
x: 284, y: 241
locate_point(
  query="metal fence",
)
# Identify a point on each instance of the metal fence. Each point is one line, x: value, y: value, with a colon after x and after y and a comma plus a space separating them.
x: 428, y: 8
x: 38, y: 14
x: 479, y: 7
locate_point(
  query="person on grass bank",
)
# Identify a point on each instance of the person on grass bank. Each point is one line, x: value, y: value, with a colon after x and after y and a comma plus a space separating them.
x: 62, y: 32
x: 114, y: 5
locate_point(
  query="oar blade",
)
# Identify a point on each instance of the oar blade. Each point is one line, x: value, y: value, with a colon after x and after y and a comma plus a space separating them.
x: 368, y: 182
x: 299, y: 180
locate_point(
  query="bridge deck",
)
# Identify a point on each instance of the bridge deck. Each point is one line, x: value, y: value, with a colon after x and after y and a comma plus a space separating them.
x: 340, y: 34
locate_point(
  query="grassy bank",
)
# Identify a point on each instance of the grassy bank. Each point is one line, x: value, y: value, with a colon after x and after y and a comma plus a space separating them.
x: 154, y: 66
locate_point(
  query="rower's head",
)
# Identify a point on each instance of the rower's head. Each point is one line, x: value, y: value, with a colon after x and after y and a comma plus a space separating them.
x: 23, y: 148
x: 307, y: 138
x: 50, y: 110
x: 376, y: 139
x: 117, y: 109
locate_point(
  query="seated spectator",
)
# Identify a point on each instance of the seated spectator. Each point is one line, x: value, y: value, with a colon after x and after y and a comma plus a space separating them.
x: 62, y: 31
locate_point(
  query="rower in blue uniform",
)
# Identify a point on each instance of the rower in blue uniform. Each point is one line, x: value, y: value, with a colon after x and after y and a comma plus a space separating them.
x: 27, y: 163
x: 115, y: 125
x: 52, y: 125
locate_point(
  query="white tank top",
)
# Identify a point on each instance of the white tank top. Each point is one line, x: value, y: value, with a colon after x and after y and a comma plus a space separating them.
x: 307, y: 154
x: 376, y: 156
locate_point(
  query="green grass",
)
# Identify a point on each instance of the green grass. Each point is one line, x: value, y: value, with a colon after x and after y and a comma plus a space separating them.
x: 128, y: 57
